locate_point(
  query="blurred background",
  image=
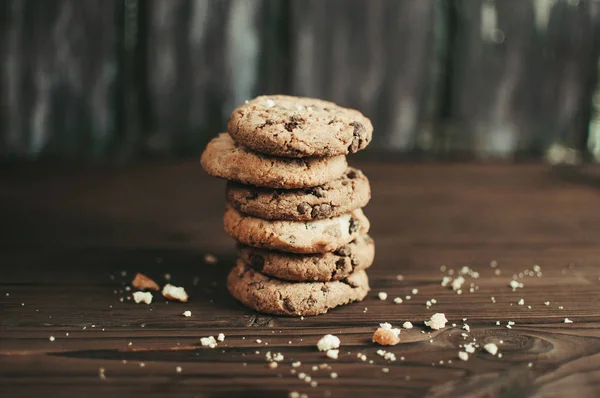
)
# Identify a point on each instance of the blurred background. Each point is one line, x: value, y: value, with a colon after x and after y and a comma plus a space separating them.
x: 132, y: 80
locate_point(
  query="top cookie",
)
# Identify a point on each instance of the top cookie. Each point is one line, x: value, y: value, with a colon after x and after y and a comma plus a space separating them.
x: 299, y: 127
x: 225, y: 159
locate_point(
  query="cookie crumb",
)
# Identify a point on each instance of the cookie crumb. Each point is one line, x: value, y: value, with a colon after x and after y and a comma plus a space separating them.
x: 530, y: 365
x: 296, y: 364
x: 176, y: 293
x: 567, y: 320
x: 415, y: 291
x: 457, y: 283
x: 400, y: 277
x: 142, y: 282
x: 51, y: 338
x: 437, y: 321
x: 208, y: 342
x: 398, y: 300
x: 491, y: 348
x: 178, y: 369
x: 333, y: 354
x: 328, y: 342
x: 407, y: 325
x: 210, y: 259
x: 385, y: 370
x: 333, y: 375
x: 221, y: 337
x: 101, y: 374
x: 515, y: 284
x: 142, y: 297
x: 382, y: 295
x: 463, y: 356
x: 469, y: 348
x: 272, y: 365
x: 187, y: 314
x: 386, y: 335
x: 521, y: 302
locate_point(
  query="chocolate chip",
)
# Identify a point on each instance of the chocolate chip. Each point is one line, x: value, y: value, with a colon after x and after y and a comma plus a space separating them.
x: 316, y: 191
x: 293, y: 123
x: 321, y: 211
x: 303, y: 208
x: 360, y: 134
x: 289, y: 307
x: 251, y: 195
x: 333, y: 120
x: 354, y: 225
x: 352, y: 174
x: 267, y: 122
x: 343, y: 251
x: 257, y: 262
x: 339, y: 264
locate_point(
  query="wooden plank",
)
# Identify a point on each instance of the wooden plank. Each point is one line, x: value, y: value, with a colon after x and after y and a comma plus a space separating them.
x: 65, y: 234
x: 381, y: 57
x: 58, y: 81
x: 204, y: 58
x: 522, y: 73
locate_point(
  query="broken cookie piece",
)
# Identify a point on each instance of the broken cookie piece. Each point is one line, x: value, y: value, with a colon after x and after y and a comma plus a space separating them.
x: 142, y: 282
x: 175, y: 293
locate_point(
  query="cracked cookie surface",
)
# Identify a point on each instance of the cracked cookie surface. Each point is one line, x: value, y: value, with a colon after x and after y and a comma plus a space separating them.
x: 273, y: 296
x: 349, y: 192
x: 299, y: 127
x: 224, y: 158
x: 323, y: 267
x: 318, y: 236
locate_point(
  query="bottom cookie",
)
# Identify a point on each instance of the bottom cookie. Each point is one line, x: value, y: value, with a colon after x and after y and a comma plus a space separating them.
x: 273, y: 296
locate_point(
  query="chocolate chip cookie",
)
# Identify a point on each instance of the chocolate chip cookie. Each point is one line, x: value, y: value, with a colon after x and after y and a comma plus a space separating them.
x: 273, y: 296
x: 225, y: 159
x: 350, y: 191
x: 299, y: 127
x: 318, y: 236
x: 356, y: 255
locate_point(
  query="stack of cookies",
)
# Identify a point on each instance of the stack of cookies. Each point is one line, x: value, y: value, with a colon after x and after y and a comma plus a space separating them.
x: 294, y: 205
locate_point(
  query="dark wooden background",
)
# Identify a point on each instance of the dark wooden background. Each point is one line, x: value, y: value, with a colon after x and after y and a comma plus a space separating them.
x: 135, y: 79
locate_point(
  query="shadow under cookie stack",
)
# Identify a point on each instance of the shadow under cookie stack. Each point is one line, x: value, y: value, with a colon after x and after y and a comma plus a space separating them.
x: 293, y: 204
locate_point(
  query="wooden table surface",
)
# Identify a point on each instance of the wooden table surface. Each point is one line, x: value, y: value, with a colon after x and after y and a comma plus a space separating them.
x: 71, y: 238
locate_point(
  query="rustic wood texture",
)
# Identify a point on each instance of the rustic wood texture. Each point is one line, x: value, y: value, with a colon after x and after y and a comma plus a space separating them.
x: 523, y: 74
x: 158, y: 78
x: 204, y: 58
x: 377, y: 56
x: 58, y: 79
x: 66, y: 232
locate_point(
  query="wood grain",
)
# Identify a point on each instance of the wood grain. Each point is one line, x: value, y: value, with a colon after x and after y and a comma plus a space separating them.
x: 66, y: 232
x: 518, y: 73
x: 129, y: 80
x: 204, y: 58
x: 377, y: 56
x: 58, y: 82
